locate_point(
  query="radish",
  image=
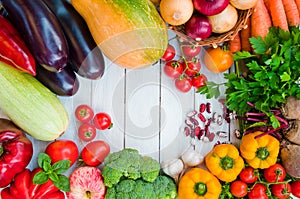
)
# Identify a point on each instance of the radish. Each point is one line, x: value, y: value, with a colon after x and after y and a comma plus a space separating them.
x: 86, y: 182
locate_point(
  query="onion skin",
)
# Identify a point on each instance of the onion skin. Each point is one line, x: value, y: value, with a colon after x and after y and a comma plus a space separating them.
x: 198, y: 27
x: 210, y: 7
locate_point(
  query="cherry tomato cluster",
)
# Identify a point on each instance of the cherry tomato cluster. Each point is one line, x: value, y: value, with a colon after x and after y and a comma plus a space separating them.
x: 261, y: 184
x: 186, y: 70
x: 90, y: 122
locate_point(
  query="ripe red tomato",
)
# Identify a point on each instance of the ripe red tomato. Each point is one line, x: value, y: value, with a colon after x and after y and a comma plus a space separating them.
x: 238, y: 188
x: 102, y: 121
x: 275, y: 173
x: 281, y: 191
x: 258, y: 192
x: 169, y: 53
x: 62, y: 150
x: 84, y: 113
x: 191, y: 50
x: 199, y: 80
x: 248, y: 175
x: 192, y: 67
x: 183, y: 84
x: 173, y: 69
x: 296, y: 188
x: 95, y: 152
x: 87, y: 132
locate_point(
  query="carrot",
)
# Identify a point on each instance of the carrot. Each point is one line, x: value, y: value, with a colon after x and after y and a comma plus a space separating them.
x: 298, y: 5
x: 260, y: 20
x: 245, y: 35
x: 235, y: 44
x: 291, y: 11
x: 277, y: 13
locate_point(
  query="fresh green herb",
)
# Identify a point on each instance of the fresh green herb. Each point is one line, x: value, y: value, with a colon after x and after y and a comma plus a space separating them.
x: 54, y: 172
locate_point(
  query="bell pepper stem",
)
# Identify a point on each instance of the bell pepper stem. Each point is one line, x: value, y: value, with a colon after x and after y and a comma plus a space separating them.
x: 200, y: 189
x: 1, y: 149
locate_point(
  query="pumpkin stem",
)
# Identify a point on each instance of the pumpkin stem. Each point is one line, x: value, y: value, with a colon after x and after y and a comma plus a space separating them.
x: 226, y: 163
x: 200, y: 188
x: 262, y: 153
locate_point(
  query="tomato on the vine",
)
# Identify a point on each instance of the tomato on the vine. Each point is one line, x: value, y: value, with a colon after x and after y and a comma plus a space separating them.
x: 102, y: 121
x: 296, y: 188
x: 173, y: 69
x: 238, y: 188
x: 217, y: 60
x: 275, y: 173
x: 199, y: 80
x: 248, y: 175
x: 190, y: 50
x: 62, y: 150
x: 258, y: 192
x: 84, y: 113
x: 95, y: 152
x: 183, y: 83
x: 87, y: 132
x: 192, y: 67
x: 281, y: 191
x: 169, y: 53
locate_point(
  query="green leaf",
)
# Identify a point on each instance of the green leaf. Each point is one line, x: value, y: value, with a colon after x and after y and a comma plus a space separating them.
x: 285, y: 77
x: 61, y: 166
x: 242, y: 55
x: 40, y: 178
x: 274, y: 121
x: 63, y: 183
x: 258, y: 44
x: 42, y: 159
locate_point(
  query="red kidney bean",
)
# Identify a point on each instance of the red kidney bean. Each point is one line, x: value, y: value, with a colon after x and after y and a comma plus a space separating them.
x: 208, y: 107
x: 194, y: 121
x: 191, y: 114
x: 187, y: 131
x: 201, y: 117
x: 202, y: 108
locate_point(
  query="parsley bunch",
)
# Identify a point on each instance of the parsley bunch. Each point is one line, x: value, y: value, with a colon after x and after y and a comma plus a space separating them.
x: 274, y: 73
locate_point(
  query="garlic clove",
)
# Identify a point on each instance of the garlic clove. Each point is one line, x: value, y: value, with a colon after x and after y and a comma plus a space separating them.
x: 172, y: 167
x: 192, y: 158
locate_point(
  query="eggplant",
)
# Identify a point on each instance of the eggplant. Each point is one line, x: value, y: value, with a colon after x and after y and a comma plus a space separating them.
x: 40, y: 30
x: 84, y: 54
x: 62, y: 83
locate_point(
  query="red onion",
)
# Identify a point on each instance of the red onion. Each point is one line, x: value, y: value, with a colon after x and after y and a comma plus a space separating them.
x: 198, y: 27
x: 210, y: 7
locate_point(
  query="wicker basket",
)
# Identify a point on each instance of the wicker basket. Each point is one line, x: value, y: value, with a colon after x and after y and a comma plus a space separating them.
x: 215, y: 39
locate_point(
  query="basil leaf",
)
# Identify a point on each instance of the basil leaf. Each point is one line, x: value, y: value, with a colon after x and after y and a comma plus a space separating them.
x: 61, y: 166
x: 43, y: 158
x: 40, y: 178
x: 63, y: 183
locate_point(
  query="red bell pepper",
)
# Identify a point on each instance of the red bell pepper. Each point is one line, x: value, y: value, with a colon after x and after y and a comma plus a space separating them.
x: 13, y: 49
x: 15, y: 151
x: 23, y: 188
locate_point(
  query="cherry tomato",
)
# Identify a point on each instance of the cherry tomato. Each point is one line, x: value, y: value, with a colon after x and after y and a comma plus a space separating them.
x: 258, y: 192
x: 183, y: 84
x: 190, y: 50
x: 84, y: 113
x: 102, y: 121
x: 199, y: 80
x: 275, y: 173
x: 296, y: 188
x: 238, y: 188
x: 248, y: 175
x: 169, y: 53
x: 62, y: 150
x: 87, y: 132
x: 192, y: 67
x: 173, y: 69
x: 281, y: 191
x: 217, y: 60
x: 95, y: 152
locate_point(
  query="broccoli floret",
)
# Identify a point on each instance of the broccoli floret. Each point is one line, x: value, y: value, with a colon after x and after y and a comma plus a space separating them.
x: 149, y: 169
x: 110, y: 193
x: 128, y: 163
x: 165, y: 187
x: 144, y: 189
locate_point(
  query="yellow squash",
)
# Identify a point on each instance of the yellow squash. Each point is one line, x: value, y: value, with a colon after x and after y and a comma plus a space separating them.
x: 198, y: 183
x: 259, y: 152
x: 225, y: 162
x: 130, y: 33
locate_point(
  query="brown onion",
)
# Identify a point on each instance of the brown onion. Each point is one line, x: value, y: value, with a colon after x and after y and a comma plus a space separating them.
x: 198, y: 27
x: 210, y: 7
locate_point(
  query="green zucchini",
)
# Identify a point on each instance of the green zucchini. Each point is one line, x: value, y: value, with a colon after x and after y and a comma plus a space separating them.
x: 31, y: 105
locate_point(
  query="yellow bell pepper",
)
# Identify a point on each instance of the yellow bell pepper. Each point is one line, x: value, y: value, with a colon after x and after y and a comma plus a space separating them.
x: 198, y: 183
x: 259, y: 152
x: 225, y: 162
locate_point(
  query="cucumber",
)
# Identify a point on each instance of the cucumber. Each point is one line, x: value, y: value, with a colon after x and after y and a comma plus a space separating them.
x: 31, y: 105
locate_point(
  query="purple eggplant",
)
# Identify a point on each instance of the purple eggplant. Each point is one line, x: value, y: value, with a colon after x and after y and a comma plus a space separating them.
x: 40, y: 30
x: 85, y: 56
x: 62, y: 83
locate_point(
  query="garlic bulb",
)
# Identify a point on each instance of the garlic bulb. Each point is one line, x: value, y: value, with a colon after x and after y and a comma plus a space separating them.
x: 173, y: 167
x: 192, y: 158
